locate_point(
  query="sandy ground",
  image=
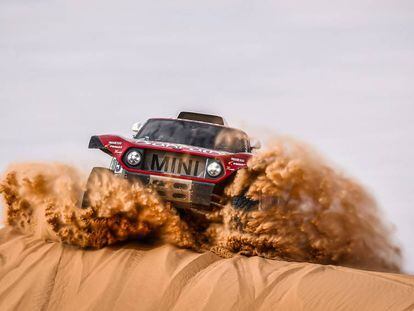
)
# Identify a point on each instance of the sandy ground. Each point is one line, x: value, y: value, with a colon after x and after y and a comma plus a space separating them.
x: 35, y: 275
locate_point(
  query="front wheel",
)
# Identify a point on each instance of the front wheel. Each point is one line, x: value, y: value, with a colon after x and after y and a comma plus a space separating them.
x: 95, y: 174
x: 242, y: 202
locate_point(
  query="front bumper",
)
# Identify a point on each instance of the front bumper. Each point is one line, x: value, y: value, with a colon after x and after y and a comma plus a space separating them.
x: 176, y: 189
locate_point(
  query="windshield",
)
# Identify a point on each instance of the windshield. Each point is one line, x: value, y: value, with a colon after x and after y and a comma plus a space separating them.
x: 195, y: 134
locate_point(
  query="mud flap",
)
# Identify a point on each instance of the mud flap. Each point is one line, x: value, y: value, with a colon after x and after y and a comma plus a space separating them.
x: 96, y: 172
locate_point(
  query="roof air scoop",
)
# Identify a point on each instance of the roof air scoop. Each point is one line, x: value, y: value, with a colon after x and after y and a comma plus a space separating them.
x: 201, y: 117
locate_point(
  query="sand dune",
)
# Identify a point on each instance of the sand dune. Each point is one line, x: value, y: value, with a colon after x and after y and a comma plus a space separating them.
x: 38, y: 275
x: 305, y: 212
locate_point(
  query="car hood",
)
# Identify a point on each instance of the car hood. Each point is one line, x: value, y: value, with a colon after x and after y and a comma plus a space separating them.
x: 117, y: 146
x: 179, y: 147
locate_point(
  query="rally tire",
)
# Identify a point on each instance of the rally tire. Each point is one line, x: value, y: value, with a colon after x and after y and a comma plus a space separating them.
x: 95, y: 171
x: 243, y: 203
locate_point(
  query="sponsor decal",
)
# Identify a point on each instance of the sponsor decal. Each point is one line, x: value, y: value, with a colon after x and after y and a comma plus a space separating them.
x: 238, y: 160
x: 203, y: 150
x: 180, y: 147
x: 238, y: 164
x: 235, y: 164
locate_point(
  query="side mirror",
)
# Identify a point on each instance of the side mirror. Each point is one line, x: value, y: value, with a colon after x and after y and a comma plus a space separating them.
x: 255, y: 143
x: 136, y: 127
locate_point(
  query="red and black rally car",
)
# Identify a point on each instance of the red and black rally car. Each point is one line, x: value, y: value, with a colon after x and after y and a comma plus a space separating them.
x: 188, y: 160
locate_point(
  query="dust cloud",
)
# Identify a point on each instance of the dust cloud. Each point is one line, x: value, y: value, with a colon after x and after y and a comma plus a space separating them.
x: 44, y: 199
x: 305, y: 211
x: 299, y: 209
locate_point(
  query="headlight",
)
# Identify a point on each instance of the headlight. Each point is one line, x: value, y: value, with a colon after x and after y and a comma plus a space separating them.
x: 133, y: 157
x: 214, y: 169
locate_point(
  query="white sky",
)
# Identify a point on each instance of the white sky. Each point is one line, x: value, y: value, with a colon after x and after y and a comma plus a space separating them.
x: 338, y: 75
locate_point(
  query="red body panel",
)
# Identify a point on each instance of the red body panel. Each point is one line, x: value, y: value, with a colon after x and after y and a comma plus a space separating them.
x: 231, y: 162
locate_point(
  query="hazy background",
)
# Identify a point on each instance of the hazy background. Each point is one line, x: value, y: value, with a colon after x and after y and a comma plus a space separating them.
x: 338, y: 75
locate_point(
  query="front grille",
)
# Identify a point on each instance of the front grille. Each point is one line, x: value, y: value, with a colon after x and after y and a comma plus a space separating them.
x: 174, y: 163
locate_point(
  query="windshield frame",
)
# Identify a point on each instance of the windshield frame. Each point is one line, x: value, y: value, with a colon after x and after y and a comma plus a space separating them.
x: 247, y: 139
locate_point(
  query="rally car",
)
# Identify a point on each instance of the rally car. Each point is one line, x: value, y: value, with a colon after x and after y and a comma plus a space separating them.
x: 188, y: 160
